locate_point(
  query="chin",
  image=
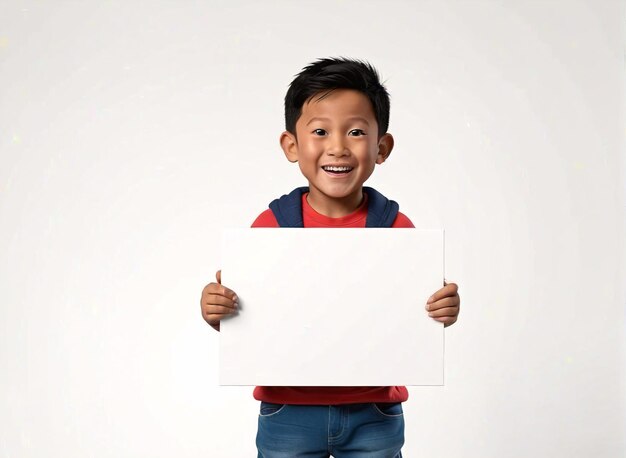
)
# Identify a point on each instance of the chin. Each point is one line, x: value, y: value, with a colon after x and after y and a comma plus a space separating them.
x: 340, y: 194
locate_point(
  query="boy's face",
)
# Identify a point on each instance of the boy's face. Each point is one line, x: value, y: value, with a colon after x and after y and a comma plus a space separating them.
x: 337, y: 148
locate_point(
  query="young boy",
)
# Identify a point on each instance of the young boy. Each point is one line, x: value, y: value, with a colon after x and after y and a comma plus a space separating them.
x: 337, y: 114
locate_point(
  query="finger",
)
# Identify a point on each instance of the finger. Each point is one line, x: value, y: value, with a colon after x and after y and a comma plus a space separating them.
x: 218, y: 299
x: 214, y: 319
x: 212, y: 309
x: 218, y: 276
x: 448, y: 311
x: 445, y: 302
x: 446, y: 320
x: 448, y: 290
x: 219, y: 290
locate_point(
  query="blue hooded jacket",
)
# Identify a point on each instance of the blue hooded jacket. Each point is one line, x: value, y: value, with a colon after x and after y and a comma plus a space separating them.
x: 381, y: 212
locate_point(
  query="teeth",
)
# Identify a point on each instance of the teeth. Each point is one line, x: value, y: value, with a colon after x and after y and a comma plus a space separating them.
x: 336, y: 169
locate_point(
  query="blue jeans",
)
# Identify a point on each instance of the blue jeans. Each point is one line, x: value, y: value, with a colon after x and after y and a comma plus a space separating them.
x: 343, y: 431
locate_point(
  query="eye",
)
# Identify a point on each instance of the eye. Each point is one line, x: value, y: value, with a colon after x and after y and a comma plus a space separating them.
x: 356, y: 133
x: 319, y: 132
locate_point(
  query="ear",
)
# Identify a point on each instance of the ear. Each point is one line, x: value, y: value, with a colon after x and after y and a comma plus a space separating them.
x: 385, y: 145
x: 289, y: 144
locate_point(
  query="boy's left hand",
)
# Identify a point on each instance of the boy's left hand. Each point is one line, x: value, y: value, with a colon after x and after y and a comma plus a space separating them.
x: 444, y: 305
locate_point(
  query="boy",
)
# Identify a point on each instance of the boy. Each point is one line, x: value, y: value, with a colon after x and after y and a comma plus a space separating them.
x: 337, y: 114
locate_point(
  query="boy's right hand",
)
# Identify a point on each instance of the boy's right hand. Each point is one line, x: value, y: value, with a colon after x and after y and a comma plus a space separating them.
x: 217, y: 302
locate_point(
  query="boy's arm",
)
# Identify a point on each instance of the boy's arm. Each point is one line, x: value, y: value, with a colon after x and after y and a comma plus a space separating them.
x: 217, y: 302
x: 444, y: 306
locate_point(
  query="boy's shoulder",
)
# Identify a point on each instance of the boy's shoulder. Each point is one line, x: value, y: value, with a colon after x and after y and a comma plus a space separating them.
x: 267, y: 219
x: 295, y: 203
x: 402, y: 221
x: 288, y: 209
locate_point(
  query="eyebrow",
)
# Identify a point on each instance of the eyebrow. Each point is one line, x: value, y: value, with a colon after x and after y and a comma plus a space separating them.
x: 351, y: 118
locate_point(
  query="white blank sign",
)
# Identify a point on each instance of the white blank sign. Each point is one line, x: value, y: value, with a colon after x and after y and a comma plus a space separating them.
x: 332, y: 307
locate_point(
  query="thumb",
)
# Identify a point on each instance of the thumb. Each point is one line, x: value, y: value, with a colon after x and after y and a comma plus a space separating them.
x: 218, y: 276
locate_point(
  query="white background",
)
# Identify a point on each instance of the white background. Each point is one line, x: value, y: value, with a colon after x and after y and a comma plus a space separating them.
x: 132, y: 132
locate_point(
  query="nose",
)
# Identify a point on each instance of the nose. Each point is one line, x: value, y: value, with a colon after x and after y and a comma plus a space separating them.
x: 337, y: 148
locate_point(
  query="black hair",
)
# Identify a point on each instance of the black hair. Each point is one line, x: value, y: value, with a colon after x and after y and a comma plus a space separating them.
x: 328, y: 74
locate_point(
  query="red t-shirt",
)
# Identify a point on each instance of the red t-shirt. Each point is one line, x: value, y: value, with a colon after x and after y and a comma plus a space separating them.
x: 324, y: 395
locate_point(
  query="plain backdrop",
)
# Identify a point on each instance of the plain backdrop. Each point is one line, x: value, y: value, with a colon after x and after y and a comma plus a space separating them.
x: 132, y: 132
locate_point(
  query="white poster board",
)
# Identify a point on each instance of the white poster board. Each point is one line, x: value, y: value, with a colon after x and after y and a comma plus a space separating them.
x: 332, y: 307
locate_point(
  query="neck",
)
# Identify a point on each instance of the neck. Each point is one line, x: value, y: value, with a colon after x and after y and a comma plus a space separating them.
x: 334, y: 207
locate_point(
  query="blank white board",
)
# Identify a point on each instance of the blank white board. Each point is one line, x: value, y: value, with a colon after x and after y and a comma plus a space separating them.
x: 332, y: 307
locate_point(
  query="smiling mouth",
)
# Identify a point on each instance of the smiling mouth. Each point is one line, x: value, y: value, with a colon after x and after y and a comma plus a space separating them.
x: 339, y: 170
